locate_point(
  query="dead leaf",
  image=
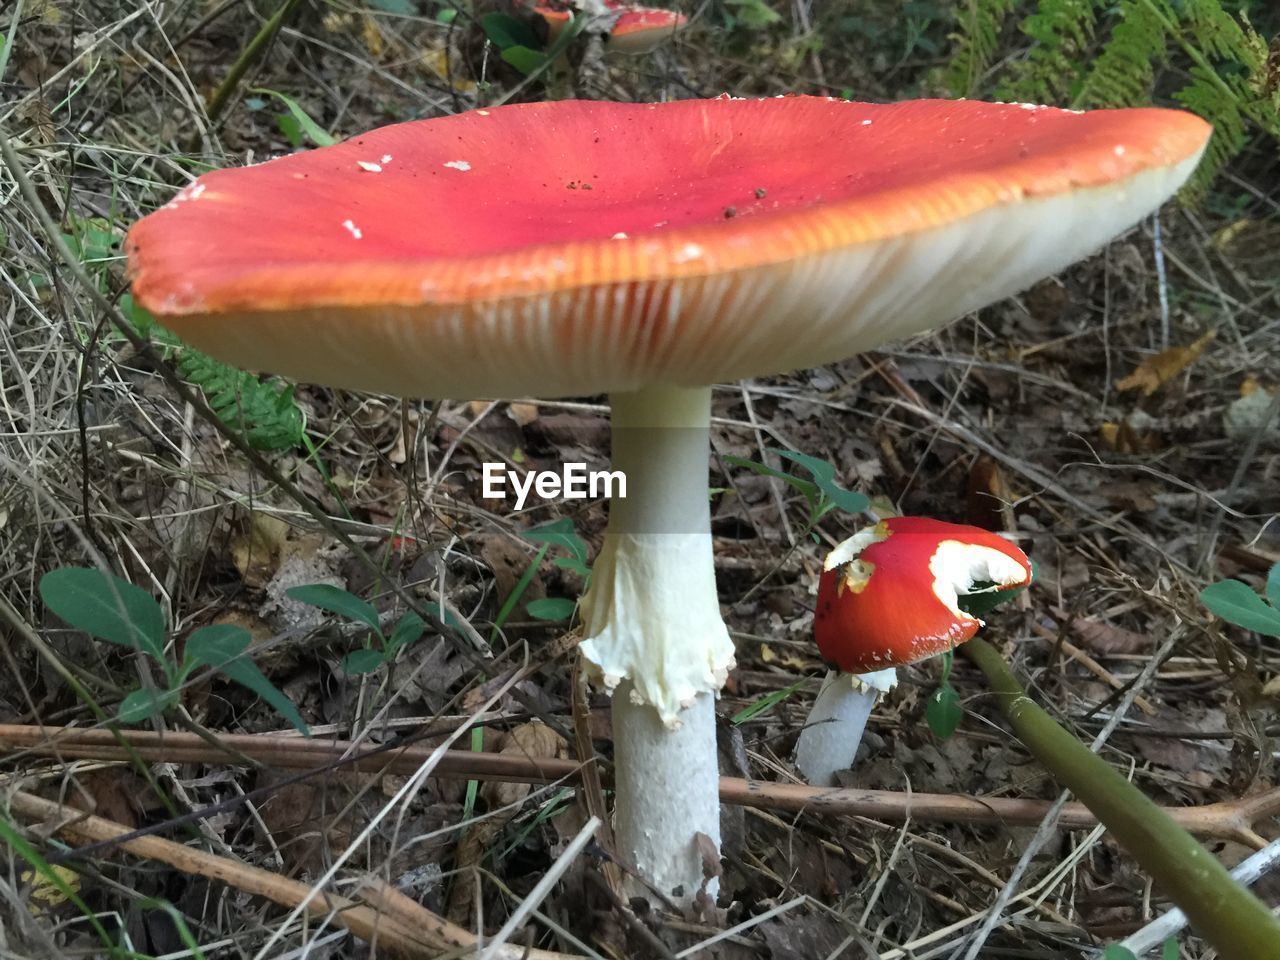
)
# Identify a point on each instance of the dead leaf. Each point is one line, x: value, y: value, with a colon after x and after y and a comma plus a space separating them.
x: 522, y: 413
x: 788, y: 659
x: 1154, y: 372
x: 255, y: 553
x: 711, y: 866
x: 986, y: 495
x: 1133, y: 435
x: 371, y: 36
x: 1104, y: 638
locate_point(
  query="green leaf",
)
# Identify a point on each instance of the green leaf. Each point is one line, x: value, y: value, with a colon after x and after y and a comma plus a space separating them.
x: 144, y: 704
x: 336, y: 600
x: 764, y: 704
x: 524, y: 59
x: 408, y: 629
x: 317, y: 134
x: 824, y: 475
x: 513, y: 598
x: 139, y: 317
x: 406, y: 8
x: 107, y: 607
x: 1234, y: 602
x: 1113, y: 951
x: 359, y: 662
x: 948, y: 660
x: 214, y: 645
x: 1273, y: 586
x: 505, y: 31
x: 805, y: 488
x: 943, y: 711
x: 246, y: 673
x: 447, y: 15
x: 289, y: 126
x: 559, y: 533
x: 754, y: 13
x: 574, y: 564
x: 551, y: 608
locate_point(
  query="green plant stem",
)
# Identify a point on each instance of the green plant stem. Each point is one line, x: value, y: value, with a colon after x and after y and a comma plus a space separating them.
x: 255, y: 48
x: 1227, y: 915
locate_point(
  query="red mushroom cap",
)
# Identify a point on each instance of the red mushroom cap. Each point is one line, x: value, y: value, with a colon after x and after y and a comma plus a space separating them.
x: 573, y: 247
x: 887, y: 596
x: 640, y: 29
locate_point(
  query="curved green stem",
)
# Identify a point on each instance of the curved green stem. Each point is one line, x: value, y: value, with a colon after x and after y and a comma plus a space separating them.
x: 1227, y: 915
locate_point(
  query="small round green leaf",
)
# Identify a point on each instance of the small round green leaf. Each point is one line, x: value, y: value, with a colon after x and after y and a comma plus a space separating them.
x: 1234, y: 602
x: 943, y: 711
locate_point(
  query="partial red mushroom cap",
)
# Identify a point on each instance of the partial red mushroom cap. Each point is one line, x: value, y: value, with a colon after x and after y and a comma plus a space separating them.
x: 641, y: 29
x: 887, y: 596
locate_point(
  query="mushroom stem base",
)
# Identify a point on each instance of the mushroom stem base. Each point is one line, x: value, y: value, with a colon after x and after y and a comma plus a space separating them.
x: 667, y: 793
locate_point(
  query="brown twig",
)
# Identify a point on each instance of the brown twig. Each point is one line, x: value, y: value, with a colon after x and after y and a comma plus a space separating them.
x: 1231, y: 820
x: 401, y: 927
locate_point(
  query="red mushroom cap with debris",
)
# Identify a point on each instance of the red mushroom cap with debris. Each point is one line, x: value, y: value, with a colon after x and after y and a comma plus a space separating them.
x: 889, y: 594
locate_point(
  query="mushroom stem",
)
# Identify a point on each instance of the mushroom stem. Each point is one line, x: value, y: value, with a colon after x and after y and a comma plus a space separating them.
x: 667, y: 790
x: 1226, y: 914
x: 830, y: 738
x: 651, y: 618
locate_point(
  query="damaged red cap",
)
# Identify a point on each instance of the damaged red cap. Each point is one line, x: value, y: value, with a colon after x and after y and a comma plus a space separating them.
x: 888, y: 594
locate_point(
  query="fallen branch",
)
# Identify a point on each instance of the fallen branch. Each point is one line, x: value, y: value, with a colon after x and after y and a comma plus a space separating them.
x: 400, y: 926
x: 1232, y: 820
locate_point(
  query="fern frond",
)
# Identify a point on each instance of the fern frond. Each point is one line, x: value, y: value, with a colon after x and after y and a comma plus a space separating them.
x: 1124, y: 72
x: 1060, y: 31
x: 976, y: 43
x: 1206, y: 96
x: 265, y: 414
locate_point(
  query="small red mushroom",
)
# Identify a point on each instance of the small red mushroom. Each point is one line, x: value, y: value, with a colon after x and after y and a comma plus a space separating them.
x: 640, y: 29
x: 889, y: 596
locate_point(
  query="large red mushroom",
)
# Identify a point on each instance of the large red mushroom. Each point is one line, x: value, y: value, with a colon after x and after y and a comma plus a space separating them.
x: 646, y: 251
x: 889, y: 596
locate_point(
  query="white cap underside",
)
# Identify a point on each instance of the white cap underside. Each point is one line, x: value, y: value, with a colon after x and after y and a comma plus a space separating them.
x: 699, y: 330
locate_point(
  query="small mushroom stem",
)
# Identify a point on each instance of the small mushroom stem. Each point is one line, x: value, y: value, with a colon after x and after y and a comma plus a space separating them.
x: 830, y: 738
x: 834, y: 729
x: 654, y: 635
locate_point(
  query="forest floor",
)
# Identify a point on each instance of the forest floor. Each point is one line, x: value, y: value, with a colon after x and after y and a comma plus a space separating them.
x: 1131, y: 495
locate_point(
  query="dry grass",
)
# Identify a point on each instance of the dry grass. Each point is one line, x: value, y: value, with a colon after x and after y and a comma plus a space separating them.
x: 102, y: 462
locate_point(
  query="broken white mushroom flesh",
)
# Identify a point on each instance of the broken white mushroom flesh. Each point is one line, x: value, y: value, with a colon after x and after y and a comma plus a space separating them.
x: 655, y: 637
